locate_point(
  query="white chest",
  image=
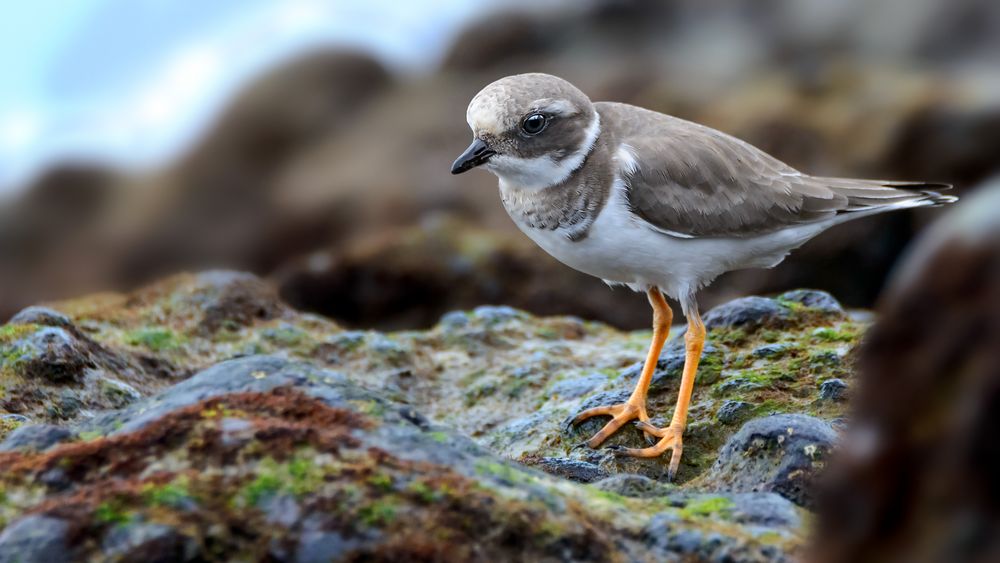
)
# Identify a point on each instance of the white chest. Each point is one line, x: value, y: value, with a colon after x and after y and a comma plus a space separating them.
x: 620, y: 248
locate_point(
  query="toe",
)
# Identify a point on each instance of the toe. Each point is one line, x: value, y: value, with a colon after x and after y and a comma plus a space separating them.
x: 597, y: 411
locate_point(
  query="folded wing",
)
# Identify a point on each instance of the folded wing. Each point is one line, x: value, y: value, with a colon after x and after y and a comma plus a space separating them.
x: 688, y: 180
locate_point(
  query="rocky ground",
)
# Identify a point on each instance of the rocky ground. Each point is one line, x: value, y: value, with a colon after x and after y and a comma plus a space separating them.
x: 202, y: 418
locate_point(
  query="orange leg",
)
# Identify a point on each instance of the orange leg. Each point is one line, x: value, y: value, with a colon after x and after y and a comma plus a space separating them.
x: 671, y: 436
x: 635, y: 406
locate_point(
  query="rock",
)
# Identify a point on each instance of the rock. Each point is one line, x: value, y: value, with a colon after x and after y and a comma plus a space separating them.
x: 574, y: 470
x: 816, y: 300
x: 578, y: 386
x: 321, y: 547
x: 54, y: 355
x: 36, y: 437
x: 142, y: 541
x: 41, y: 316
x: 35, y: 539
x: 454, y: 319
x: 233, y: 299
x: 833, y: 390
x: 271, y: 448
x: 701, y: 545
x: 492, y: 314
x: 766, y: 509
x: 748, y: 313
x: 781, y: 453
x: 733, y: 412
x: 118, y: 393
x: 776, y: 350
x: 630, y: 485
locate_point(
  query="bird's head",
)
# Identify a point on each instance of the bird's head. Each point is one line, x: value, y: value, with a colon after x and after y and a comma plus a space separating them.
x: 531, y: 130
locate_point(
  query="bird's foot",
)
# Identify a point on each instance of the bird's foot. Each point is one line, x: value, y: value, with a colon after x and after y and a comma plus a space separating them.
x: 671, y: 438
x: 620, y: 414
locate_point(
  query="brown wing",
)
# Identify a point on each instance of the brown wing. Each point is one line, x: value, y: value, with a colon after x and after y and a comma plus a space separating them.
x: 693, y: 181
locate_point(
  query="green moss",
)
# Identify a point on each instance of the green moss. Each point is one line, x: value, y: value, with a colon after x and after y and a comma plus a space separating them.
x: 606, y: 495
x: 770, y: 336
x: 503, y: 472
x: 381, y: 481
x: 111, y: 513
x: 708, y: 506
x: 12, y: 332
x: 847, y: 333
x: 265, y: 485
x: 172, y: 494
x: 438, y: 436
x: 285, y: 335
x: 157, y: 339
x: 372, y: 407
x: 378, y: 513
x: 793, y: 306
x: 710, y: 368
x: 729, y: 336
x: 7, y: 426
x: 422, y: 491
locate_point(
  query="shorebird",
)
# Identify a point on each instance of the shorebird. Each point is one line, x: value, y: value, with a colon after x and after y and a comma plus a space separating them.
x: 656, y: 203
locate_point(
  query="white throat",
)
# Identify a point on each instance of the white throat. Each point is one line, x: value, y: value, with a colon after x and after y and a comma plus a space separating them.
x: 543, y: 171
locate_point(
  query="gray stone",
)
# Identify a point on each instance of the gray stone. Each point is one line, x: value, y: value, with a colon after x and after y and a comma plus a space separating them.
x: 280, y: 509
x: 36, y: 437
x: 632, y: 485
x: 572, y: 469
x: 147, y: 542
x: 814, y: 299
x: 323, y: 546
x: 774, y: 351
x: 578, y: 386
x: 35, y: 538
x: 53, y: 354
x: 41, y: 316
x: 766, y: 509
x: 492, y: 314
x: 780, y: 453
x: 747, y: 313
x: 833, y: 390
x: 454, y: 320
x: 733, y: 412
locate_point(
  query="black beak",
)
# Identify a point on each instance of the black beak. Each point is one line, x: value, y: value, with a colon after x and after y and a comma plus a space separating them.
x: 477, y: 153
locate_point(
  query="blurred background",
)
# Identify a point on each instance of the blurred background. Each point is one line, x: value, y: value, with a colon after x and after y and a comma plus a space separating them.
x: 310, y: 141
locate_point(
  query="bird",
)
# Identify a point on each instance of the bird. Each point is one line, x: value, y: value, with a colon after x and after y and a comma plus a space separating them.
x: 655, y: 203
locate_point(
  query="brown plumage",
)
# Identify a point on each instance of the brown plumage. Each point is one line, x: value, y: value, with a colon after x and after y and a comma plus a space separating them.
x: 691, y: 180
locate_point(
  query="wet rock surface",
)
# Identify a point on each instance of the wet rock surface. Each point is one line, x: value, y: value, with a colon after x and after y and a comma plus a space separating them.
x: 210, y: 413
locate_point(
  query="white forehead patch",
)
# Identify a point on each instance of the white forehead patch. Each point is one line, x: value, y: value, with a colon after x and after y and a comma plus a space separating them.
x: 483, y: 118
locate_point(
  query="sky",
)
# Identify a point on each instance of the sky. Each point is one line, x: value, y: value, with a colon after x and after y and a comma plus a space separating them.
x: 132, y: 82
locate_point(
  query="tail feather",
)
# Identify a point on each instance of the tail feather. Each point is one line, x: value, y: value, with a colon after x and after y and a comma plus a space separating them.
x: 874, y: 196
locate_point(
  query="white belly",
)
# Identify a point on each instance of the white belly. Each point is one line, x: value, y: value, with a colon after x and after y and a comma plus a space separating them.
x: 621, y: 248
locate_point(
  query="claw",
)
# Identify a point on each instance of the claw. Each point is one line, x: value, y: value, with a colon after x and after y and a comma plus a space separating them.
x: 647, y: 428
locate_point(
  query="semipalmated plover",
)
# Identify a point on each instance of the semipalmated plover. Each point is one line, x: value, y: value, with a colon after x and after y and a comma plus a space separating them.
x: 656, y: 203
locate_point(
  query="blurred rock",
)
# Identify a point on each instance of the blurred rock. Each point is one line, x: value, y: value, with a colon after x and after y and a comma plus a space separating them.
x: 37, y: 437
x: 781, y: 453
x: 833, y: 390
x: 747, y: 313
x: 36, y: 539
x: 921, y: 452
x: 410, y: 279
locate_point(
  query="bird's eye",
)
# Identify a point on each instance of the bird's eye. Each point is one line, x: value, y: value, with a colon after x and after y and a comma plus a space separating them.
x: 533, y: 124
